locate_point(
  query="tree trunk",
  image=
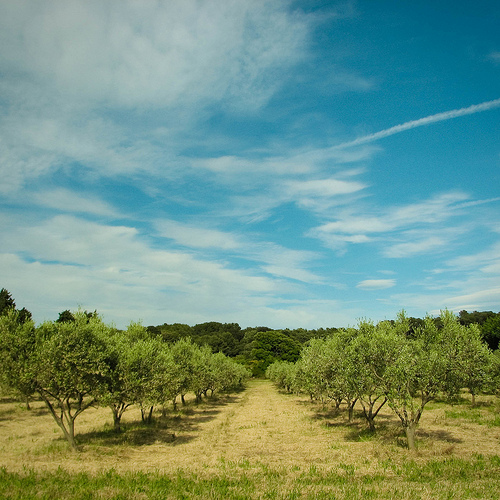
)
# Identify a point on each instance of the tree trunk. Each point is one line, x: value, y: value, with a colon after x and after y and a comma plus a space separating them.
x: 410, y: 435
x: 370, y: 418
x: 350, y: 406
x: 116, y: 419
x: 371, y: 424
x: 69, y: 433
x: 369, y: 411
x: 147, y: 416
x: 473, y: 398
x: 183, y: 400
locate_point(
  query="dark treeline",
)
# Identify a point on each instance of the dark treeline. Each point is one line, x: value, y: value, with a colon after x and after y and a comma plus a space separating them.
x: 256, y: 347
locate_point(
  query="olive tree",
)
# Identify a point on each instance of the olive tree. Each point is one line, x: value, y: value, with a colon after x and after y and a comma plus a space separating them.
x: 468, y: 353
x: 314, y: 370
x: 282, y: 373
x: 17, y: 345
x: 119, y: 394
x: 344, y: 367
x: 366, y: 355
x: 400, y: 374
x: 202, y: 373
x: 70, y: 368
x: 139, y: 364
x: 416, y: 368
x: 184, y: 355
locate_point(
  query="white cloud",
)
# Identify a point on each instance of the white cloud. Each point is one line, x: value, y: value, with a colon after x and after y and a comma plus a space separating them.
x: 112, y: 268
x: 292, y: 272
x: 415, y: 247
x: 322, y: 187
x: 376, y: 284
x: 197, y: 237
x: 479, y: 260
x: 494, y: 56
x: 271, y: 258
x: 68, y: 67
x: 105, y: 267
x: 467, y: 282
x: 479, y: 300
x: 283, y: 262
x: 154, y: 53
x: 401, y: 221
x: 65, y: 200
x: 39, y: 143
x: 355, y: 225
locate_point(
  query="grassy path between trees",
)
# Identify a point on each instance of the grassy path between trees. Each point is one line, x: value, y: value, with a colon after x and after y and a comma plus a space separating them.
x: 260, y: 443
x: 266, y: 426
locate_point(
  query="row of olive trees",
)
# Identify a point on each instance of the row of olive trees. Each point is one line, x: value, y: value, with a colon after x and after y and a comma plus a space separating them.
x: 393, y: 363
x: 76, y: 364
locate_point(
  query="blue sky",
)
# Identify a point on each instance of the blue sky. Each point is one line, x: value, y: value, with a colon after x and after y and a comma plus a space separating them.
x: 266, y: 162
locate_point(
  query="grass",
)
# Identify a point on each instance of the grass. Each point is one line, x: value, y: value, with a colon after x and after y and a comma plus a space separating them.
x: 486, y: 414
x: 451, y: 478
x: 260, y: 443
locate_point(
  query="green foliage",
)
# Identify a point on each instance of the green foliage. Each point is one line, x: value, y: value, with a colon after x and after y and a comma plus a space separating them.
x: 490, y: 330
x: 220, y: 337
x: 367, y: 358
x: 65, y: 317
x: 404, y: 362
x: 489, y: 323
x: 6, y: 301
x: 271, y: 346
x: 17, y: 344
x: 283, y: 374
x: 70, y: 368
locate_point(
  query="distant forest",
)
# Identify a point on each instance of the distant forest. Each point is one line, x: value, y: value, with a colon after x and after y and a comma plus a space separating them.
x: 258, y: 347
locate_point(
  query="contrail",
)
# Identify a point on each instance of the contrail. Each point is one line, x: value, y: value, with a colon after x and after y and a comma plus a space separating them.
x: 447, y: 115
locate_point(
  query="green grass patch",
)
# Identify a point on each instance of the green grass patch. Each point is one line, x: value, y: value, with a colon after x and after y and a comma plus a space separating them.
x: 454, y: 478
x: 475, y: 416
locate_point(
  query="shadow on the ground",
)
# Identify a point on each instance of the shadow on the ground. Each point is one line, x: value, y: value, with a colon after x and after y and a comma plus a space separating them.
x: 439, y: 435
x: 173, y: 427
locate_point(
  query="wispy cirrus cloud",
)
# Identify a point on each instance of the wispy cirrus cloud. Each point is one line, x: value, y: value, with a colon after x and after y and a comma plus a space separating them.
x: 416, y: 246
x: 197, y: 237
x: 485, y: 261
x: 402, y: 231
x: 380, y: 284
x: 271, y: 258
x: 352, y: 227
x: 322, y: 187
x: 71, y: 71
x: 65, y: 200
x: 421, y: 122
x: 494, y: 56
x: 168, y: 53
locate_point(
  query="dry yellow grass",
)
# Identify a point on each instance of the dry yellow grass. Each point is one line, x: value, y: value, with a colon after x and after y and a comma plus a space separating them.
x: 258, y: 428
